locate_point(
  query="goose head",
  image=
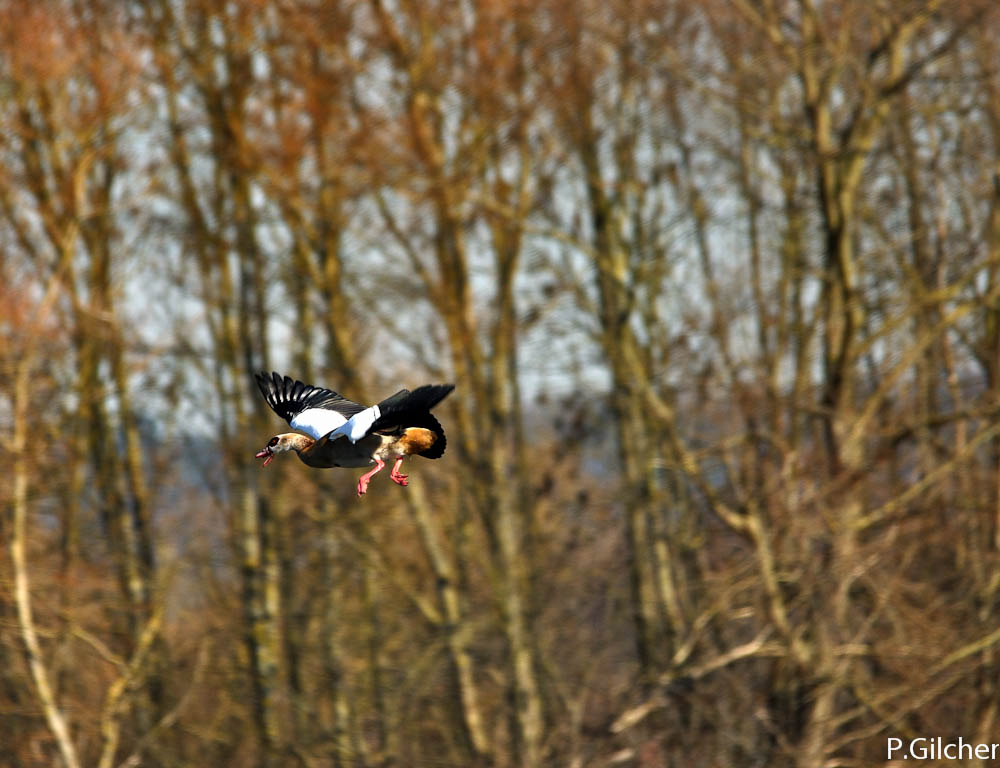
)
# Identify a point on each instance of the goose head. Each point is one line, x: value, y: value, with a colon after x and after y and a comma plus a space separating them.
x: 281, y: 443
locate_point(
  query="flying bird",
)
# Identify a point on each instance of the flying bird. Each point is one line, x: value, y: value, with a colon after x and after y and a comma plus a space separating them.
x: 341, y: 433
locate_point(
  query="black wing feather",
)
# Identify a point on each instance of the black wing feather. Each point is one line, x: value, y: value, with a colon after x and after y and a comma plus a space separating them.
x: 289, y: 397
x: 412, y: 409
x: 393, y: 400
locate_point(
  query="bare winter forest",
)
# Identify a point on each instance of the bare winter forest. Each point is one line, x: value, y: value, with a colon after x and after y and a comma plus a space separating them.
x: 718, y: 284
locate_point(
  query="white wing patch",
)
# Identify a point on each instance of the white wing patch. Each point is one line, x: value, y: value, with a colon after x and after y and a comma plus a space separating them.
x: 358, y: 425
x: 317, y: 422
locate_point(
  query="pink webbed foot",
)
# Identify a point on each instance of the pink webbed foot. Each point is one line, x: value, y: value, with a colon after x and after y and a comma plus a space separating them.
x: 367, y: 476
x: 396, y: 476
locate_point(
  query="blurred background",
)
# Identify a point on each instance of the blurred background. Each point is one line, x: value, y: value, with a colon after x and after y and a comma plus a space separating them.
x: 718, y: 283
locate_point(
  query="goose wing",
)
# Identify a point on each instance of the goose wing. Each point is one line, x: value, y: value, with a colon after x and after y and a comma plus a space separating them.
x: 314, y: 410
x: 403, y: 409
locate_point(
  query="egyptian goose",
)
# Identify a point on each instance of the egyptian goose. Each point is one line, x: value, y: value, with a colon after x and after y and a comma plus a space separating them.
x: 344, y: 434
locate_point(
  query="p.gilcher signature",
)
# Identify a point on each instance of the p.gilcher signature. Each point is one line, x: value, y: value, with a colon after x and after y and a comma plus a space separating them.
x: 937, y: 748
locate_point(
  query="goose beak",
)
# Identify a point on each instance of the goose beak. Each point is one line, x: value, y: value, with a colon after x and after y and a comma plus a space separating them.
x: 267, y: 455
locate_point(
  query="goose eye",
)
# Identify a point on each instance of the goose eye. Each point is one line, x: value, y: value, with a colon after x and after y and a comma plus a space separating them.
x: 273, y: 442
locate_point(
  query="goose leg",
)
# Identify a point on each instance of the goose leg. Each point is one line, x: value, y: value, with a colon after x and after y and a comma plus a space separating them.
x: 396, y: 477
x: 367, y: 476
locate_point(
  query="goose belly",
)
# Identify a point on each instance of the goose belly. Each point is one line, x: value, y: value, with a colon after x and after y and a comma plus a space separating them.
x: 343, y: 453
